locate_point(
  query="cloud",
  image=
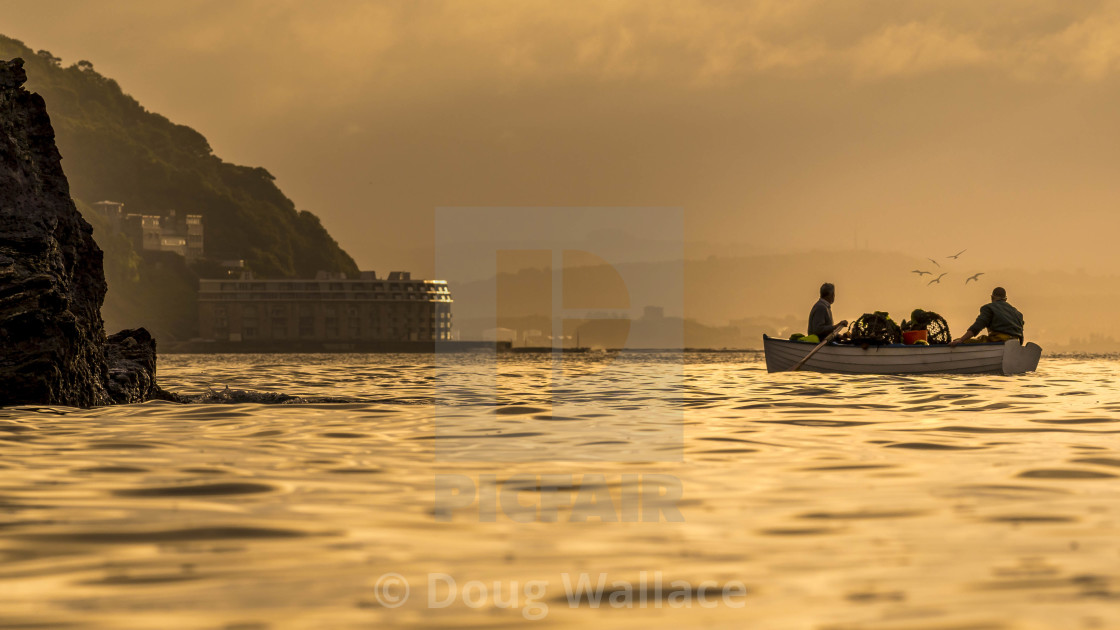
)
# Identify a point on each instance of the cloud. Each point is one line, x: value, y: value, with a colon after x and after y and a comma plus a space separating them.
x: 1088, y: 49
x: 695, y: 43
x: 914, y: 48
x: 406, y: 50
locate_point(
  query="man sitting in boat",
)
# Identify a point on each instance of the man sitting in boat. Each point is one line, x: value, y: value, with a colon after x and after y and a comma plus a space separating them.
x: 820, y: 317
x: 1002, y: 320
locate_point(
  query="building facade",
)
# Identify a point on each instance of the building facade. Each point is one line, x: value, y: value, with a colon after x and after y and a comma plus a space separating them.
x: 173, y: 232
x: 327, y: 309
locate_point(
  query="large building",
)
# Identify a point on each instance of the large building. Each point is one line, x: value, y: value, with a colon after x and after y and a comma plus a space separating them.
x: 329, y: 309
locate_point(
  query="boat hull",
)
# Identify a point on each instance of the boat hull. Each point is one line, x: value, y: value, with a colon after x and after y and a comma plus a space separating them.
x: 1006, y: 358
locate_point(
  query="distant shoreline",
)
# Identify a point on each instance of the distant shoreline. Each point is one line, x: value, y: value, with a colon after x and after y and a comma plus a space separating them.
x: 403, y: 347
x: 460, y: 347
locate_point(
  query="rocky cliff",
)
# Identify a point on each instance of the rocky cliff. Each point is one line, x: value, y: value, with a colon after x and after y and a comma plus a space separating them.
x: 51, y: 280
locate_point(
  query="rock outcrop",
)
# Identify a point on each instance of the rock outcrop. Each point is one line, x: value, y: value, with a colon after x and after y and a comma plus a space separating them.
x: 132, y: 368
x: 52, y: 283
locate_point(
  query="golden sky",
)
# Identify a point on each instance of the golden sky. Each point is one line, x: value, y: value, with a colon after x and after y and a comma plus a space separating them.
x: 784, y: 125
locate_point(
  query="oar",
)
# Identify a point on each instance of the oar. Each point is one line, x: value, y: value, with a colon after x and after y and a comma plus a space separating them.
x: 819, y: 346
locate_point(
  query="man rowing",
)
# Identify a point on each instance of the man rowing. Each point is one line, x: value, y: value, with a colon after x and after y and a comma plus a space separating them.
x: 820, y: 317
x: 1003, y: 321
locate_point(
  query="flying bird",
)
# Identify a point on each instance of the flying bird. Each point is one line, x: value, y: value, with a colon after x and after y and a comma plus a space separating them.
x: 921, y: 273
x: 937, y: 279
x: 957, y: 255
x: 934, y: 262
x: 975, y: 277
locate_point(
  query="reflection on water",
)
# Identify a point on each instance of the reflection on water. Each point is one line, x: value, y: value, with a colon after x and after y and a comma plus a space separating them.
x: 842, y: 502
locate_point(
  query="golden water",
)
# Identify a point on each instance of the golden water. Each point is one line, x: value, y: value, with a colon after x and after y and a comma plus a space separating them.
x: 841, y: 502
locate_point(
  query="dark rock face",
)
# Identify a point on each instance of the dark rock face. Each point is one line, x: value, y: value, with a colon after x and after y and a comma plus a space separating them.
x: 51, y: 278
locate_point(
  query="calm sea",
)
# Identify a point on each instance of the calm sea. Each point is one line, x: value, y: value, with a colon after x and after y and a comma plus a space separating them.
x: 477, y: 492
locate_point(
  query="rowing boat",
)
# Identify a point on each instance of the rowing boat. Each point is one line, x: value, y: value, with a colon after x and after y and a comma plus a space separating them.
x: 1010, y: 357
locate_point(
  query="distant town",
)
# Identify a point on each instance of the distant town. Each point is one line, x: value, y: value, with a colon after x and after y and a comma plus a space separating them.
x: 332, y: 311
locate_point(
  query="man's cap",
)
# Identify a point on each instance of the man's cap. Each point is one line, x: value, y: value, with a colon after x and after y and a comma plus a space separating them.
x: 999, y: 292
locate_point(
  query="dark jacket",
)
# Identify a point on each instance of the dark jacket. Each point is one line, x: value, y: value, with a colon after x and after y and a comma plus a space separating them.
x: 820, y: 319
x: 999, y: 317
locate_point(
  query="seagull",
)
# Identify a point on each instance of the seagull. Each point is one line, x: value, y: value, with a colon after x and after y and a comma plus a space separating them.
x: 937, y: 279
x: 934, y: 262
x: 976, y: 277
x: 920, y: 272
x: 957, y: 255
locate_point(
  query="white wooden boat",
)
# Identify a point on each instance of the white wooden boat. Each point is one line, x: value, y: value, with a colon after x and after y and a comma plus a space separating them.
x: 967, y: 358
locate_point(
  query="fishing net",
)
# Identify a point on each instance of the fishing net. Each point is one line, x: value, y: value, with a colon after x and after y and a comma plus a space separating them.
x: 937, y: 329
x: 877, y: 327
